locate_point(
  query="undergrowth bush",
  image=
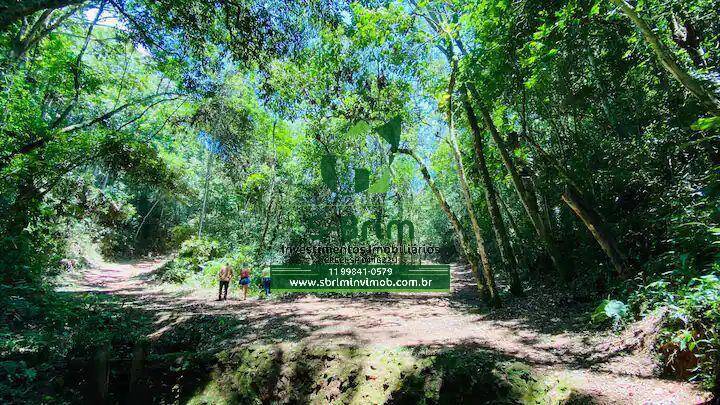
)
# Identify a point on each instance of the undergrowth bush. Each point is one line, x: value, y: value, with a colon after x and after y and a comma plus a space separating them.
x: 693, y: 316
x: 199, y: 260
x: 40, y: 330
x: 610, y: 311
x: 191, y: 257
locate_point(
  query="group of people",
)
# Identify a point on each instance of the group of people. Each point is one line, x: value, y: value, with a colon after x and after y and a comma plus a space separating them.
x: 226, y: 275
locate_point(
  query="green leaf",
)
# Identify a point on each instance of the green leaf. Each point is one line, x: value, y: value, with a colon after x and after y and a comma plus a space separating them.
x: 391, y: 132
x: 706, y: 124
x: 362, y: 180
x: 599, y: 314
x: 616, y: 309
x: 358, y: 129
x: 382, y: 183
x: 327, y: 170
x: 609, y: 309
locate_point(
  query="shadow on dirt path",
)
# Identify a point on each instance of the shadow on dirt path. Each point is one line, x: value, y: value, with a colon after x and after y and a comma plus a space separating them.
x: 541, y: 330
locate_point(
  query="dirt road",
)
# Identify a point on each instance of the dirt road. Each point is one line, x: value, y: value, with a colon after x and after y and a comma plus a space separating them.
x: 541, y: 330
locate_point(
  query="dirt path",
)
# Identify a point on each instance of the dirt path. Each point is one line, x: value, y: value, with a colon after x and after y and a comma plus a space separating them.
x: 542, y: 330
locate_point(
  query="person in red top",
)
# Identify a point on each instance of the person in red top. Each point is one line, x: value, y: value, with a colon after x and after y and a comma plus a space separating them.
x: 245, y: 281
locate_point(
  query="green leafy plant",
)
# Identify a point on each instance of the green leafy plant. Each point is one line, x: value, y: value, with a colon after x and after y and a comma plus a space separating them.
x: 693, y: 317
x: 612, y: 310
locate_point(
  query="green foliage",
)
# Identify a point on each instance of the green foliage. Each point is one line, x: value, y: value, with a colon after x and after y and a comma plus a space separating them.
x: 41, y: 330
x: 199, y: 260
x: 613, y: 310
x: 181, y: 233
x: 237, y: 260
x: 192, y: 257
x: 706, y: 124
x: 693, y: 315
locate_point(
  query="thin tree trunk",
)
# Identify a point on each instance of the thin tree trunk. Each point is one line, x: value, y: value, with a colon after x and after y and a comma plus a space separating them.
x: 597, y: 227
x: 266, y: 224
x: 576, y: 200
x: 457, y: 226
x: 137, y: 233
x: 268, y: 211
x: 529, y: 203
x: 277, y: 223
x: 706, y: 95
x: 205, y: 193
x: 716, y: 383
x: 503, y: 241
x: 521, y: 260
x: 543, y: 202
x: 105, y: 181
x: 479, y: 240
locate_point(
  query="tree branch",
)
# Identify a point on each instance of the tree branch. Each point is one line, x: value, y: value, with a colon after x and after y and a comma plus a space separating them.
x: 85, y: 124
x: 12, y: 11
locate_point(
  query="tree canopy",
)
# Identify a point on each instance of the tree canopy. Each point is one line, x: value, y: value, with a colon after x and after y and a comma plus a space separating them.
x: 573, y: 143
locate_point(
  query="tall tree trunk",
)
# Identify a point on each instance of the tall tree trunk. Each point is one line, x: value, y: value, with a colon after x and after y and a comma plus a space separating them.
x: 467, y: 197
x: 436, y: 26
x: 579, y: 203
x: 137, y: 233
x: 705, y: 94
x: 521, y: 260
x: 529, y: 202
x: 597, y: 227
x: 266, y: 224
x: 501, y: 236
x: 205, y: 192
x: 457, y: 226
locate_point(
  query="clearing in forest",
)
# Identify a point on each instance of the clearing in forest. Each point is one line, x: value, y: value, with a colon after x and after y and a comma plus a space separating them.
x: 541, y: 331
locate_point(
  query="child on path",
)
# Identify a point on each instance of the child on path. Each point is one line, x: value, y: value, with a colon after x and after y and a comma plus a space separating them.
x: 245, y: 281
x: 266, y: 281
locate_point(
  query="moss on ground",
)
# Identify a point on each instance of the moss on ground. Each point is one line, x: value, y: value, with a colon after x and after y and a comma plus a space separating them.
x: 293, y: 373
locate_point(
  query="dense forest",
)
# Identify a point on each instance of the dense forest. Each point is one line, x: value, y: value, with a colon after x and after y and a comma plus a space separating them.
x: 563, y: 156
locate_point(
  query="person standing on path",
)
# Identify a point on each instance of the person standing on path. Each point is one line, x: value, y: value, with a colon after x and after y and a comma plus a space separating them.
x: 225, y: 276
x: 245, y: 281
